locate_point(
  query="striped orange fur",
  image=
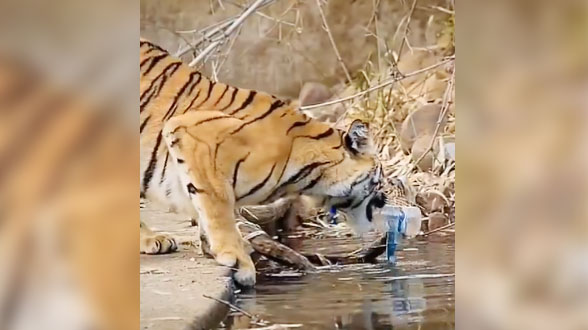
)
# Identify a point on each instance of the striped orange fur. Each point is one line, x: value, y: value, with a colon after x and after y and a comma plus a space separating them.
x: 207, y: 147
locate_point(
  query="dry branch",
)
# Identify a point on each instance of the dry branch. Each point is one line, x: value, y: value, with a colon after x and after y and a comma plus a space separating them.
x: 332, y: 40
x: 382, y: 85
x: 442, y: 114
x: 265, y: 245
x: 227, y: 30
x: 366, y: 254
x: 264, y: 214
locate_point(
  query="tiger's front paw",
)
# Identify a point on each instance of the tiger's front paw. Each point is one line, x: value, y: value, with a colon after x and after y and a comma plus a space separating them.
x: 158, y: 244
x: 231, y: 256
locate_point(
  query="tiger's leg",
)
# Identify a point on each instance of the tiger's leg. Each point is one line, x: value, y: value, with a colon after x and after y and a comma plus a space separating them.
x: 153, y: 243
x: 204, y: 245
x: 209, y: 190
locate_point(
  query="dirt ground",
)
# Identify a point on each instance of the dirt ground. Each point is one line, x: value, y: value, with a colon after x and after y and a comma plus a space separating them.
x: 173, y: 285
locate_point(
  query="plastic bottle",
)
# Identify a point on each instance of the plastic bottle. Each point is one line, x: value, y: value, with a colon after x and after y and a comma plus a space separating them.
x: 401, y: 222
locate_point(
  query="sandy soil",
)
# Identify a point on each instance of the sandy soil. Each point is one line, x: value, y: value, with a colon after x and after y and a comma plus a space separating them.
x: 172, y: 286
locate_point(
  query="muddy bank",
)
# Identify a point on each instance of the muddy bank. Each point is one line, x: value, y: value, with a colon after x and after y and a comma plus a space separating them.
x: 172, y: 286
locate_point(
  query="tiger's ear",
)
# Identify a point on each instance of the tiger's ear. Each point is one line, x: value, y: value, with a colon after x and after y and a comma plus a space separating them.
x: 357, y: 138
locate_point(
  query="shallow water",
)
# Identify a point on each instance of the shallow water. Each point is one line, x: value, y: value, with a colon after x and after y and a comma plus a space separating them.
x: 416, y: 293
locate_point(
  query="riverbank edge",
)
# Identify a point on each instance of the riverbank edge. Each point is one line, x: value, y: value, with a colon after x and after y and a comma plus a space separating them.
x: 213, y: 313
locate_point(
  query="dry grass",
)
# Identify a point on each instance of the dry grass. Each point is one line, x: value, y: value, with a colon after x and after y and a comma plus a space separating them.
x: 396, y: 81
x: 385, y: 97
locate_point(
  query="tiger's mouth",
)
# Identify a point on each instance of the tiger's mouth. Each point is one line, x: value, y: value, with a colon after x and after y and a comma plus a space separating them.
x: 374, y: 200
x: 360, y: 212
x: 364, y: 199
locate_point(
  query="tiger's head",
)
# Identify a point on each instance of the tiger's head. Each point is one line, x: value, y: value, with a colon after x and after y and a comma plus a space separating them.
x: 356, y: 180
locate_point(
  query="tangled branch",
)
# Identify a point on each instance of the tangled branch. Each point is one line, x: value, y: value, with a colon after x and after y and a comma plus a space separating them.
x: 219, y: 33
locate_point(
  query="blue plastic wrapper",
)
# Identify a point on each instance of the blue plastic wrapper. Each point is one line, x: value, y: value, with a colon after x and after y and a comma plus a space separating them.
x: 396, y: 228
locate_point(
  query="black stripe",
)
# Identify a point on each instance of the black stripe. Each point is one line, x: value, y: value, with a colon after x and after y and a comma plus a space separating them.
x: 216, y: 153
x: 273, y: 107
x: 245, y: 103
x: 360, y: 180
x: 313, y: 182
x: 192, y: 102
x: 340, y: 142
x: 196, y: 83
x: 304, y: 172
x: 148, y: 51
x: 232, y: 99
x: 368, y: 212
x: 297, y: 124
x: 143, y: 124
x: 152, y: 45
x: 208, y: 119
x: 154, y: 61
x: 199, y: 90
x: 344, y: 205
x: 164, y: 75
x: 325, y: 134
x: 172, y: 109
x: 210, y: 88
x: 286, y: 163
x: 236, y: 171
x: 259, y: 185
x: 164, y: 167
x: 144, y: 61
x: 357, y: 204
x: 223, y: 94
x: 190, y: 92
x: 355, y: 183
x: 151, y: 167
x: 192, y: 189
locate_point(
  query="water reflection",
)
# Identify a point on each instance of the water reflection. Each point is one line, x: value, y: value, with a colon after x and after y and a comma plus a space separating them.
x: 417, y: 293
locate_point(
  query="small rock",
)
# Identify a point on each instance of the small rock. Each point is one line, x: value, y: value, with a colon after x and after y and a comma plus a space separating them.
x: 419, y: 123
x: 421, y: 146
x: 436, y: 220
x: 431, y: 202
x: 314, y: 93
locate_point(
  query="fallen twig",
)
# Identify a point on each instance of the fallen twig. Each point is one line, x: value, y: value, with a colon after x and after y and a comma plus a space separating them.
x: 228, y: 304
x: 442, y: 115
x: 438, y: 229
x: 213, y: 32
x: 365, y: 254
x: 332, y: 40
x: 383, y: 84
x: 405, y: 36
x: 264, y: 214
x: 229, y: 30
x: 266, y: 246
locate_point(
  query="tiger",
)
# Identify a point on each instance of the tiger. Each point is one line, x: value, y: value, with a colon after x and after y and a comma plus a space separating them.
x: 207, y: 147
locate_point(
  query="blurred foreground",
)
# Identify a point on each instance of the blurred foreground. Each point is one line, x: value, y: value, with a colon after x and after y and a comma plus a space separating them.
x: 68, y: 166
x: 68, y: 194
x: 522, y: 247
